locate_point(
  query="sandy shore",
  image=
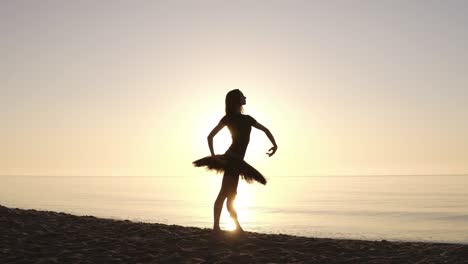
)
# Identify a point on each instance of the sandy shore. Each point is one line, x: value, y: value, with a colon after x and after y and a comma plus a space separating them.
x: 30, y: 236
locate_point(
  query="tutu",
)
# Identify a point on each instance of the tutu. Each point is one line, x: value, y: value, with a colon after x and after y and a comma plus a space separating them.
x: 220, y: 163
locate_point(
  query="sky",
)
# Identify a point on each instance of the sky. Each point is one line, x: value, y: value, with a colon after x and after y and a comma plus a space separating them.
x: 134, y: 87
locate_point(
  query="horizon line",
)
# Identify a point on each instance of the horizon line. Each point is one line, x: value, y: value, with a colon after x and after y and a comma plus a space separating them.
x: 281, y: 176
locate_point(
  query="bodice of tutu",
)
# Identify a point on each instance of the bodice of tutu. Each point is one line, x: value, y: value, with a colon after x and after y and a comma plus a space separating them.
x: 240, y: 127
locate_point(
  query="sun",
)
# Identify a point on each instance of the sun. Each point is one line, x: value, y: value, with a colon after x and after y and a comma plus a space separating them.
x: 244, y: 199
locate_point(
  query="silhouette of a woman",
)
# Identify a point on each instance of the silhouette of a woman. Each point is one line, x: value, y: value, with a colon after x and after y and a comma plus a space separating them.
x: 232, y: 162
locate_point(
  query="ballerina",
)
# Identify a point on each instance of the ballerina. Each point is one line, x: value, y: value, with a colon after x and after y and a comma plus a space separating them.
x: 232, y: 161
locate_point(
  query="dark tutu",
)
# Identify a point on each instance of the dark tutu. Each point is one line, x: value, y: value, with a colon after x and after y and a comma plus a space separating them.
x: 221, y: 163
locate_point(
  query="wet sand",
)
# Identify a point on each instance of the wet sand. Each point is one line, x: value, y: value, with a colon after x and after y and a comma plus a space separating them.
x: 30, y: 236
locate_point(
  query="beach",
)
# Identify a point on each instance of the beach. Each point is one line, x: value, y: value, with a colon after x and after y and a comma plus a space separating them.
x: 31, y: 236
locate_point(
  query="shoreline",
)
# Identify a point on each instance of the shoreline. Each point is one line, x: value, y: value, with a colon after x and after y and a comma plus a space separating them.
x: 31, y: 236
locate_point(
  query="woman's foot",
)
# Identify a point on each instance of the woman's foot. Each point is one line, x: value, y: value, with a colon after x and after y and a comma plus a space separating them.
x: 239, y: 229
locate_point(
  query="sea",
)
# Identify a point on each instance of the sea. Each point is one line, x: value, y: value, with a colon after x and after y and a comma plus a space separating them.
x: 429, y: 208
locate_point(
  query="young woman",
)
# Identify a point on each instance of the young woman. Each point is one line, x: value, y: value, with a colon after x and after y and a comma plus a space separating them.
x: 232, y: 162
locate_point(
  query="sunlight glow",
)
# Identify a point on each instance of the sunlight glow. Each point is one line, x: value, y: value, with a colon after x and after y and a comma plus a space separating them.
x: 222, y: 141
x: 229, y: 226
x: 245, y: 199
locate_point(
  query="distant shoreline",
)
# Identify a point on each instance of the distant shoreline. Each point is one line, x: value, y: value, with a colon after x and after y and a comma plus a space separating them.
x: 29, y: 236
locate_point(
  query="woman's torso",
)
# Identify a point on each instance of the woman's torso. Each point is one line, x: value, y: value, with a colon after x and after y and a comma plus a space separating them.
x: 240, y: 126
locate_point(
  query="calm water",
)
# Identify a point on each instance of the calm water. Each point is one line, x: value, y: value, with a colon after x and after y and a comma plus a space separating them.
x: 415, y: 208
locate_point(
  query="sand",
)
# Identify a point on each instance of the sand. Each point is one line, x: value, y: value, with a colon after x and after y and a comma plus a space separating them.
x: 30, y: 236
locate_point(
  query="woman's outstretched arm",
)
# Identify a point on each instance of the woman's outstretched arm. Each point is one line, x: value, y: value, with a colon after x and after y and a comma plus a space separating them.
x: 213, y: 133
x: 273, y: 149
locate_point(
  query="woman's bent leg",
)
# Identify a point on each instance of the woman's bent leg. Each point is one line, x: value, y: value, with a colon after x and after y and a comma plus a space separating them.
x: 228, y: 190
x: 232, y: 211
x: 231, y: 197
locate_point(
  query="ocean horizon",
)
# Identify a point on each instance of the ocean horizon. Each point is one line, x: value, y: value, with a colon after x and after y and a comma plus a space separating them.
x: 430, y: 208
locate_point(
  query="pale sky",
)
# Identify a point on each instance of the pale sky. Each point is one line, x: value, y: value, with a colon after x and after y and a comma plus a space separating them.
x: 134, y: 87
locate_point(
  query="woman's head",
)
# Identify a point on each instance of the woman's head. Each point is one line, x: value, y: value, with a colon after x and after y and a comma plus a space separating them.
x: 235, y: 99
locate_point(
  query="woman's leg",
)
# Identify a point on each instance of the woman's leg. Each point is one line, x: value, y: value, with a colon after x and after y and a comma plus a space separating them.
x: 218, y: 207
x: 232, y: 211
x: 231, y: 197
x: 229, y: 191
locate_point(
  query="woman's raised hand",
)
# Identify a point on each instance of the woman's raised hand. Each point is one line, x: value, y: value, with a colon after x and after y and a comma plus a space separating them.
x: 272, y: 151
